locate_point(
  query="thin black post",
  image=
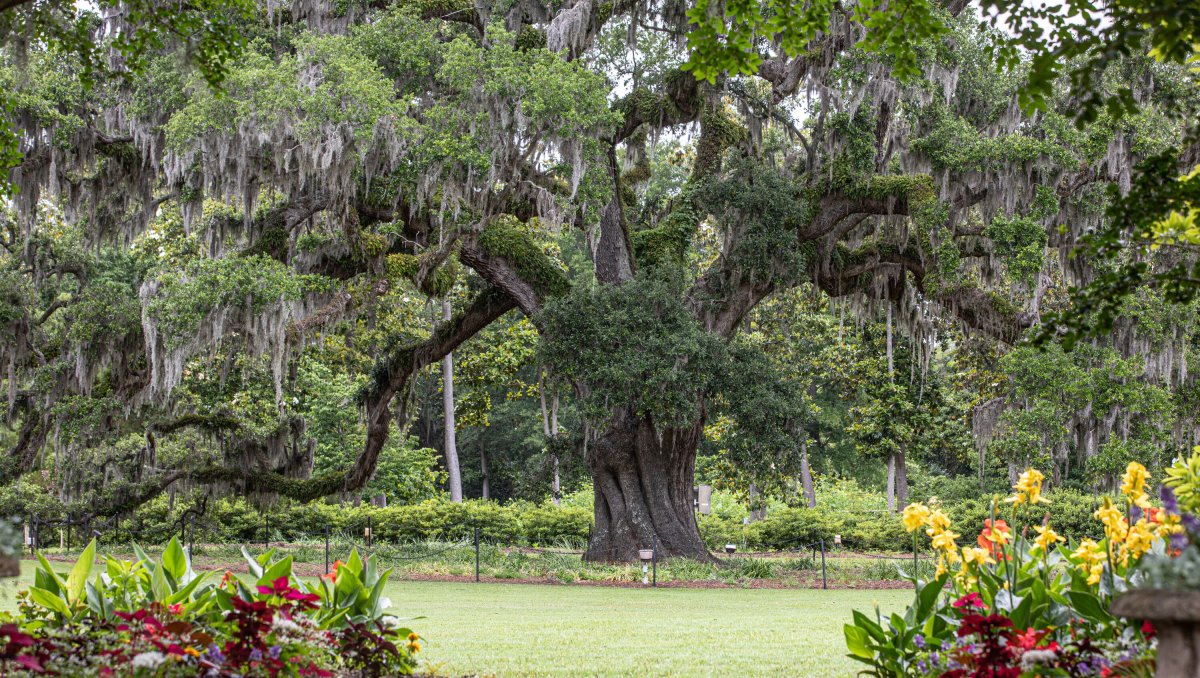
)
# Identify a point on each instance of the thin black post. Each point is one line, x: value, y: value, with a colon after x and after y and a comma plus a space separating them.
x: 267, y: 536
x: 33, y: 525
x: 327, y: 547
x: 370, y: 533
x: 824, y: 581
x: 192, y: 535
x: 654, y: 558
x: 477, y: 552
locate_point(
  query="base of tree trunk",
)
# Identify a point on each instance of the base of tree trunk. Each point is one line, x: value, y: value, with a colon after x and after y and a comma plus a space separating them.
x: 10, y: 566
x: 643, y: 486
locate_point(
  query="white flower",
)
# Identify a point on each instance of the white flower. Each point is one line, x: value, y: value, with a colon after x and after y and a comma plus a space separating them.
x: 285, y: 626
x: 1033, y: 658
x: 148, y: 660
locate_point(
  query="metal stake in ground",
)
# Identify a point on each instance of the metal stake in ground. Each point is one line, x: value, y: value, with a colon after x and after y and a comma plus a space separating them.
x: 477, y: 552
x: 326, y: 547
x: 824, y: 581
x: 654, y: 559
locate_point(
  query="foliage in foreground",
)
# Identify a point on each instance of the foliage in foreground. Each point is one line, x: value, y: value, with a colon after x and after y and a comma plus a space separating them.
x: 159, y: 617
x: 1023, y: 603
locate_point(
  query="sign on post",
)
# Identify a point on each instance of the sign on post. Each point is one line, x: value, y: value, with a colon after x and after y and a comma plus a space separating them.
x: 704, y: 499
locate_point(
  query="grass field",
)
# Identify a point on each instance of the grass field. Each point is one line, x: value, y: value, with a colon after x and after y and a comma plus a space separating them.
x: 530, y: 630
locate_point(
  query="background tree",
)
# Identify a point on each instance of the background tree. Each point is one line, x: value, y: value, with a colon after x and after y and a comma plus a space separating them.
x: 367, y: 158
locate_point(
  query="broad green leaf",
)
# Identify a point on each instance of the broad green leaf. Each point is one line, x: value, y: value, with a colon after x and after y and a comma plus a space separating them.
x: 49, y: 600
x: 1089, y: 606
x: 186, y: 591
x: 857, y: 640
x: 256, y: 569
x: 354, y: 562
x: 282, y: 568
x: 174, y: 560
x: 47, y: 578
x: 160, y: 589
x: 77, y: 580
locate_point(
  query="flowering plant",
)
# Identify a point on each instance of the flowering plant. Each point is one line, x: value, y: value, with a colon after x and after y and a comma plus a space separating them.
x: 1021, y: 601
x: 158, y: 617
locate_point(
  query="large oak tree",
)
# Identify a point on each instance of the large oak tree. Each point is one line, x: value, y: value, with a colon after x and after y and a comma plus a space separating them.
x: 356, y: 148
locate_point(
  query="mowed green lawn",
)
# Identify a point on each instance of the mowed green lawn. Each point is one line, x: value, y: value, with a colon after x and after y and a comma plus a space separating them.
x: 571, y: 630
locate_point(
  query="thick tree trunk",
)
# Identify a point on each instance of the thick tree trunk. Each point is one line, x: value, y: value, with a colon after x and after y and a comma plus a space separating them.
x: 806, y: 481
x: 451, y: 445
x: 643, y: 484
x: 901, y: 480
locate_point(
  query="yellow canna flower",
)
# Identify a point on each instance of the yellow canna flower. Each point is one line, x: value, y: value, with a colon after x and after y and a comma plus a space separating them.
x: 1095, y: 572
x: 944, y: 542
x: 1046, y: 538
x: 973, y: 555
x: 965, y: 579
x: 1140, y: 539
x: 1029, y: 488
x: 914, y: 516
x: 1115, y: 526
x: 938, y: 522
x: 1133, y: 484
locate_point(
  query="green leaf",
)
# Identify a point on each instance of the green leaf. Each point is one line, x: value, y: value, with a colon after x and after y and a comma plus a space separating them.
x: 186, y: 591
x: 1089, y: 606
x: 47, y: 578
x: 160, y: 588
x: 174, y: 560
x: 282, y: 568
x: 49, y: 601
x: 256, y: 569
x: 98, y: 602
x: 863, y: 621
x: 77, y: 580
x: 857, y: 640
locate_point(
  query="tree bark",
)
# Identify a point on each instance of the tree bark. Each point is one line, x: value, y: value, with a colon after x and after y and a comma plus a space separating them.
x: 891, y: 483
x: 451, y: 445
x: 550, y: 429
x: 483, y: 467
x: 643, y: 483
x: 901, y: 480
x: 810, y: 493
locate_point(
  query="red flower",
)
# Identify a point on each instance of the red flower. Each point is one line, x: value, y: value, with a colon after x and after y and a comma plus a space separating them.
x: 1029, y: 638
x: 994, y: 549
x: 333, y: 573
x: 972, y: 601
x: 1148, y: 629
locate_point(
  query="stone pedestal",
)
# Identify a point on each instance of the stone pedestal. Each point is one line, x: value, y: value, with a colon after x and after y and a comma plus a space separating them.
x: 1176, y: 618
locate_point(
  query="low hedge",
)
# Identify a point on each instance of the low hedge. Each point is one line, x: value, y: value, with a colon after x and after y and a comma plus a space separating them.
x: 236, y: 521
x: 529, y: 524
x: 1069, y: 511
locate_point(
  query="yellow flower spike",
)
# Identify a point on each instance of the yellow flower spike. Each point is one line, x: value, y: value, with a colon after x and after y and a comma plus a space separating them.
x: 1095, y: 572
x: 944, y: 542
x: 938, y: 522
x: 973, y: 555
x: 1140, y: 539
x: 1046, y: 538
x: 1029, y: 489
x: 1133, y: 484
x: 1115, y: 526
x: 915, y: 515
